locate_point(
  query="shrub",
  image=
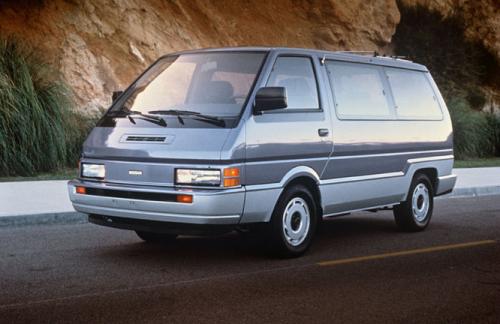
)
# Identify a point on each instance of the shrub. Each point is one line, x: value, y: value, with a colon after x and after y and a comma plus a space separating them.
x: 494, y: 125
x: 473, y: 131
x: 39, y: 132
x: 461, y: 68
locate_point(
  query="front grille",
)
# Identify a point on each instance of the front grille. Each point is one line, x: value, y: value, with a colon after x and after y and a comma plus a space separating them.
x: 153, y: 139
x: 155, y: 196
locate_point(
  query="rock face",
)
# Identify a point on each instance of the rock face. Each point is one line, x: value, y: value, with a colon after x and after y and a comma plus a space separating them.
x: 101, y: 45
x: 481, y: 18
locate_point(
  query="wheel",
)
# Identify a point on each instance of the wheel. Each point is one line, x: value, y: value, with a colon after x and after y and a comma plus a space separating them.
x: 414, y: 214
x: 151, y: 237
x: 293, y: 222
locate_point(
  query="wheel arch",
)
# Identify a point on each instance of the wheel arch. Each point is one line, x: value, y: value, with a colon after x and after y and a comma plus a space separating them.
x: 307, y: 177
x: 431, y: 173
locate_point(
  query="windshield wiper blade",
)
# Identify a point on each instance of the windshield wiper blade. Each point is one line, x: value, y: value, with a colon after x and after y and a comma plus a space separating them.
x: 210, y: 119
x: 196, y: 115
x: 159, y: 122
x: 175, y: 112
x: 132, y: 114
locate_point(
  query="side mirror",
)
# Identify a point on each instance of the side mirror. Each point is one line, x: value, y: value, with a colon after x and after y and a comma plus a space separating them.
x: 115, y: 95
x: 270, y: 98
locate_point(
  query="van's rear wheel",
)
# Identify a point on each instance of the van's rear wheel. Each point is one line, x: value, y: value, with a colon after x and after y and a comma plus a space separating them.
x: 151, y: 237
x: 293, y: 222
x: 414, y: 214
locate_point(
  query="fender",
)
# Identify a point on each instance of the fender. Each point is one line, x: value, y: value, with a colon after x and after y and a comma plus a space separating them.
x: 299, y: 171
x: 261, y: 199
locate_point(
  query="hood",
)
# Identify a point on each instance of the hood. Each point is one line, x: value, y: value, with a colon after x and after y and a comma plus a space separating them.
x: 155, y: 144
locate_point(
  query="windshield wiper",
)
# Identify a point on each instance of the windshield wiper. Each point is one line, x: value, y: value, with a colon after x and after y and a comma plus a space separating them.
x: 132, y: 114
x: 195, y: 115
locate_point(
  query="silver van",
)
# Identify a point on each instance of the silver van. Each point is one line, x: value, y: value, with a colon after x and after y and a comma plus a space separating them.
x: 267, y: 139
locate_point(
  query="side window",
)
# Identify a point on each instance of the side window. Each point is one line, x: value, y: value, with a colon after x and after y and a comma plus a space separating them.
x: 296, y: 74
x: 413, y: 95
x: 358, y: 90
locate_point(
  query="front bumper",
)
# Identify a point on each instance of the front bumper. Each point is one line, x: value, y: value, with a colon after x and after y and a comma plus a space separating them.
x: 210, y: 207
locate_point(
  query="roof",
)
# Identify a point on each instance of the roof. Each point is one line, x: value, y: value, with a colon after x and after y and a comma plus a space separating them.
x: 355, y: 56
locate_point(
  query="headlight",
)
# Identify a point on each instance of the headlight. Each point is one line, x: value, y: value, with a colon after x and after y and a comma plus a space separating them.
x: 97, y: 171
x: 197, y: 177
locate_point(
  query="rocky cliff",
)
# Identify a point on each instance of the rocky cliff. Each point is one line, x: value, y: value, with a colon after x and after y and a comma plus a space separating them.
x: 101, y: 45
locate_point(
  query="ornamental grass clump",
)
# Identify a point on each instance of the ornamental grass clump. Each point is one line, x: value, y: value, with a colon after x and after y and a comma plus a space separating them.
x: 39, y: 132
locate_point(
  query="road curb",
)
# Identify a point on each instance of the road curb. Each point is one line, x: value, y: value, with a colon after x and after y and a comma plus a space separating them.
x: 79, y: 218
x: 43, y: 219
x: 474, y: 192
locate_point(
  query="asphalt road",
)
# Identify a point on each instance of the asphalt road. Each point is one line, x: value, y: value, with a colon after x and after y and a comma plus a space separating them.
x: 85, y: 273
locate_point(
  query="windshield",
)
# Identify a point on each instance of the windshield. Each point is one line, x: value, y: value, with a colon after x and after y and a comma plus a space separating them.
x: 213, y: 84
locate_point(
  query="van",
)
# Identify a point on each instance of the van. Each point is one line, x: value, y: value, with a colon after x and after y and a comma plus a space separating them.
x: 266, y: 139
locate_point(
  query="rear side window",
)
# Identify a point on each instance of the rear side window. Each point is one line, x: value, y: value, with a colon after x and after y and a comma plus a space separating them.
x: 413, y: 95
x: 358, y: 90
x: 296, y: 74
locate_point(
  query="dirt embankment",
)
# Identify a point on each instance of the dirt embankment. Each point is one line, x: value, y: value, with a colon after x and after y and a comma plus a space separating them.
x: 100, y: 45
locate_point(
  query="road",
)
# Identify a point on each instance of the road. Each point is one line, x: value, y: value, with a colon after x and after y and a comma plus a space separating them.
x: 84, y: 273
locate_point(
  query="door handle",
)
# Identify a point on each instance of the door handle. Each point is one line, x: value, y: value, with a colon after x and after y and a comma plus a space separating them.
x: 323, y: 132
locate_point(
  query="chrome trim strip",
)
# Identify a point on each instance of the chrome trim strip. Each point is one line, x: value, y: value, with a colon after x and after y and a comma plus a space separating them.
x: 356, y: 178
x: 343, y: 157
x: 265, y: 186
x: 287, y: 160
x: 330, y: 181
x: 361, y: 209
x: 155, y: 188
x: 387, y: 154
x: 431, y: 158
x: 362, y: 178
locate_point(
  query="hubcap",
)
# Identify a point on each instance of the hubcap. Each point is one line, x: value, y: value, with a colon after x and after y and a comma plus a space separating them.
x: 296, y: 221
x: 420, y: 202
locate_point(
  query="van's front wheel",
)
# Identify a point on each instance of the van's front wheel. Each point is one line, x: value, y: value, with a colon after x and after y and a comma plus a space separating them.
x: 293, y: 222
x: 150, y: 237
x: 414, y: 214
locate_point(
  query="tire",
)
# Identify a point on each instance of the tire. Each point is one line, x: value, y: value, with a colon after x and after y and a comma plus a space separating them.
x: 293, y: 223
x: 414, y: 214
x: 150, y: 237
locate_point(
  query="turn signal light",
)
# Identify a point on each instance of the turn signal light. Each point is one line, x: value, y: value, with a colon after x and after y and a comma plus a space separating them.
x: 81, y: 190
x: 231, y: 177
x: 186, y: 199
x: 231, y: 172
x: 231, y: 182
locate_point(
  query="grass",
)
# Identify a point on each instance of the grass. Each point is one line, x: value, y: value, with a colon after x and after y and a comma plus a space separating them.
x: 475, y: 134
x: 477, y: 163
x: 63, y: 174
x: 39, y: 130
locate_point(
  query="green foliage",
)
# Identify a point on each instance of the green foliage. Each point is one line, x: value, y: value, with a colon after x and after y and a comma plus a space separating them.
x: 461, y: 68
x: 475, y: 134
x: 494, y: 126
x: 458, y: 65
x: 39, y: 132
x: 477, y: 163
